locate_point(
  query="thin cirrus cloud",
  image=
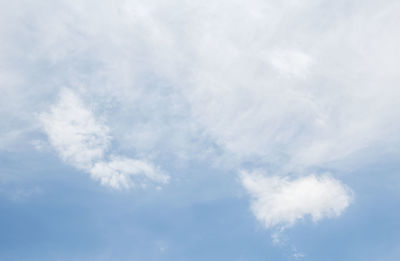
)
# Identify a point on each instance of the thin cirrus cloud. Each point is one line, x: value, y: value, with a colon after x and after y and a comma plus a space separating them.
x: 83, y: 142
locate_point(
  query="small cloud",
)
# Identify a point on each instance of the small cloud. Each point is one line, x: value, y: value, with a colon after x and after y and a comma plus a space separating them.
x: 19, y: 194
x: 39, y: 145
x: 23, y: 194
x: 120, y: 171
x: 161, y: 245
x: 281, y: 202
x: 297, y: 254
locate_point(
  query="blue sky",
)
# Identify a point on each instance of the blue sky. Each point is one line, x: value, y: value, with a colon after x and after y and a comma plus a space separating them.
x: 213, y: 130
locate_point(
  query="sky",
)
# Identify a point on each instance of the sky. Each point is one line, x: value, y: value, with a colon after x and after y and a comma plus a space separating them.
x: 199, y: 130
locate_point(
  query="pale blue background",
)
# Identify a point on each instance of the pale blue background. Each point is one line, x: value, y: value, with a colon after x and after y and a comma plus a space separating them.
x: 204, y: 217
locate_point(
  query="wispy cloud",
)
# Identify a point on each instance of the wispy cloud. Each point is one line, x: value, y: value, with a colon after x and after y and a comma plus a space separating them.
x: 120, y: 172
x: 82, y: 141
x: 74, y: 132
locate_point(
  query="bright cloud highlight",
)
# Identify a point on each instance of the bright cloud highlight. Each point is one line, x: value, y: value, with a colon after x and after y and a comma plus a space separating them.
x: 279, y: 201
x: 74, y: 132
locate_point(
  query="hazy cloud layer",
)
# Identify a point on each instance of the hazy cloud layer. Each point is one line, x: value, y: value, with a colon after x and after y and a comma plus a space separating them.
x: 287, y: 86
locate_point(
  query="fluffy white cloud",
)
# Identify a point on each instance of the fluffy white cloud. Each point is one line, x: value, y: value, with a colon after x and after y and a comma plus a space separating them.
x: 81, y: 140
x: 279, y: 201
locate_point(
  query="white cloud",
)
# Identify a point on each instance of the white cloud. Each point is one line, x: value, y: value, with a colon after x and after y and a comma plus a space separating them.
x: 200, y: 76
x: 83, y: 141
x: 292, y: 63
x: 122, y: 172
x: 291, y: 85
x: 278, y: 201
x: 74, y: 132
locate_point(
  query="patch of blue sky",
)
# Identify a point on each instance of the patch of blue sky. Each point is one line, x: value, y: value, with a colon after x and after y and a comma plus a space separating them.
x: 205, y: 216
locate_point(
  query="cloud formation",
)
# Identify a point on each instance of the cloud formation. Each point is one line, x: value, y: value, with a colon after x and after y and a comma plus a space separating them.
x: 74, y: 132
x: 120, y: 172
x: 280, y: 201
x: 290, y: 86
x: 82, y: 141
x: 294, y: 82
